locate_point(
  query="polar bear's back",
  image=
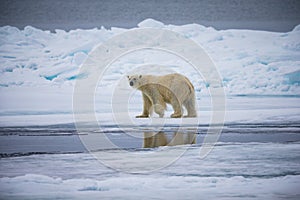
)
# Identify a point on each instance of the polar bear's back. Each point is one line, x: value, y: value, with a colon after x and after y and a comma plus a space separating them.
x: 170, y: 86
x: 176, y: 82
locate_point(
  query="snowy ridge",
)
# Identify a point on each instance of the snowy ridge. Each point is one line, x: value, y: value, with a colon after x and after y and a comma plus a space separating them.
x: 40, y: 67
x: 250, y: 62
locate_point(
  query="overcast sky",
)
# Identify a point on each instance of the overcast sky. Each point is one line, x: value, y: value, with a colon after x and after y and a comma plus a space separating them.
x: 277, y: 15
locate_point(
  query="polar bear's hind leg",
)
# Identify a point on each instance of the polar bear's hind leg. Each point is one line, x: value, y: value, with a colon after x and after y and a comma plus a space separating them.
x: 190, y: 106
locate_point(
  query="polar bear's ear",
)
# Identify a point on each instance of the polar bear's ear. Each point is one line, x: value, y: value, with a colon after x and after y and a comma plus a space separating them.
x: 128, y: 77
x: 140, y: 76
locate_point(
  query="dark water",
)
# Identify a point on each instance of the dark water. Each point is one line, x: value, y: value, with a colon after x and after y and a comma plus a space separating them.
x: 23, y: 141
x: 272, y: 15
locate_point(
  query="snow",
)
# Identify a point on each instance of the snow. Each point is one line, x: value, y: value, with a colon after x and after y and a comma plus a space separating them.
x: 151, y: 23
x: 242, y: 109
x: 138, y: 187
x: 250, y: 62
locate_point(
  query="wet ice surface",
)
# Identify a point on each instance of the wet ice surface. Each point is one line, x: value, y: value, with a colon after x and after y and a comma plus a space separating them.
x: 16, y: 141
x: 231, y: 170
x: 255, y: 158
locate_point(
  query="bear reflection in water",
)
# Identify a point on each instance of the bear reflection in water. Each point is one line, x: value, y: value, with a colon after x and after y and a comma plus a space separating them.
x: 154, y: 139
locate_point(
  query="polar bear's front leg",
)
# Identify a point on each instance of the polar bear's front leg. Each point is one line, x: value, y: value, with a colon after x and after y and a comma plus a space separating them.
x: 159, y: 109
x: 159, y: 105
x: 146, y: 107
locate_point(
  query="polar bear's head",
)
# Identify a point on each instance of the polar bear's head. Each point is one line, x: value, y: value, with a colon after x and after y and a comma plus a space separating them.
x: 135, y: 81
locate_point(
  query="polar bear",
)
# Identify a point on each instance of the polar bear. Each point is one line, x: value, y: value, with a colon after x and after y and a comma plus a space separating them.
x: 157, y: 91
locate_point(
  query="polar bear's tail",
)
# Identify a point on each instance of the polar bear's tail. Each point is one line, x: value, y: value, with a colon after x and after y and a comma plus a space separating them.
x: 190, y: 102
x: 191, y: 87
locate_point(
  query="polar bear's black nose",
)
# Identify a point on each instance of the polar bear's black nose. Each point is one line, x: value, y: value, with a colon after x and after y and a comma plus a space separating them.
x: 131, y: 83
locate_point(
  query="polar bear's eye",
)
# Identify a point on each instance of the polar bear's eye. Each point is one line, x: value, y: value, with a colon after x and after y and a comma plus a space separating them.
x: 134, y: 79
